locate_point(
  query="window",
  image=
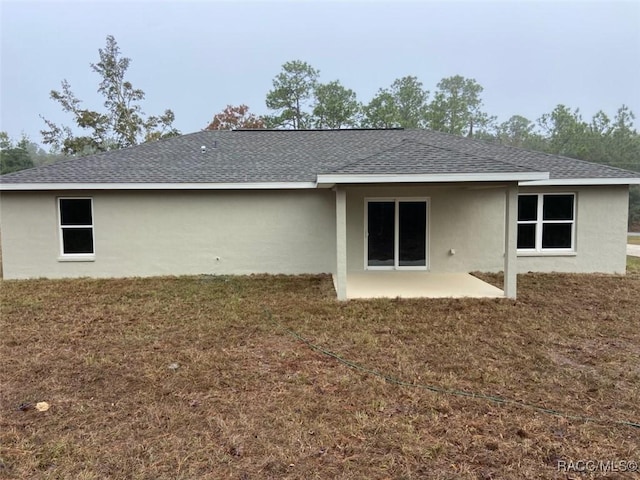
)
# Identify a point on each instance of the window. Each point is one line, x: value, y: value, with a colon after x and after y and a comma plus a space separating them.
x: 546, y: 222
x: 76, y: 226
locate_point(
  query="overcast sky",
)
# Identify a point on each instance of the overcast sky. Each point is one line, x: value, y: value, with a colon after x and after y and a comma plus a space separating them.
x: 196, y: 57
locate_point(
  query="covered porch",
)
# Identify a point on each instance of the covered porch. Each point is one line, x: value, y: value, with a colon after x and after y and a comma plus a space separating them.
x: 411, y: 218
x: 420, y: 241
x: 418, y: 284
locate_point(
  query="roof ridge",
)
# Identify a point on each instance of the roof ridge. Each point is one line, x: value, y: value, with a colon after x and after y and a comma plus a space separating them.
x: 292, y: 130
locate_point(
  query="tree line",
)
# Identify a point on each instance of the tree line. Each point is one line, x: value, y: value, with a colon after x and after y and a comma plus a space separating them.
x: 298, y: 100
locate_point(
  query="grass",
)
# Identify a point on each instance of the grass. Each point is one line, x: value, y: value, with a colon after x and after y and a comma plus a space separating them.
x: 199, y: 377
x: 633, y: 239
x: 633, y: 265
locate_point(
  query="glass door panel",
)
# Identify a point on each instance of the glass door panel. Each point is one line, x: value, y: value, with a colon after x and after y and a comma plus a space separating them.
x: 412, y: 230
x: 381, y: 234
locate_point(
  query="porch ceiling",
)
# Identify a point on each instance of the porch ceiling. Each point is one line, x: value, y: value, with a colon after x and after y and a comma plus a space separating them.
x: 410, y: 284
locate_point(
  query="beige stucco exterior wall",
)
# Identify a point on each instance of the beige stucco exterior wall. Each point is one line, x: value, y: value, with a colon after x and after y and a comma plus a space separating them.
x: 175, y: 233
x: 468, y: 219
x: 471, y: 221
x: 180, y: 233
x: 601, y: 232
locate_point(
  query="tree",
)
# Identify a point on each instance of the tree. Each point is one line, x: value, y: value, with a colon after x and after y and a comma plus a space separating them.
x: 625, y: 140
x: 411, y: 102
x: 233, y: 117
x: 598, y: 138
x: 566, y: 132
x: 457, y: 107
x: 13, y: 157
x: 121, y: 124
x: 519, y: 132
x: 515, y: 131
x: 614, y: 143
x: 335, y: 107
x: 602, y: 140
x: 403, y: 104
x: 292, y: 91
x: 5, y: 141
x: 381, y: 111
x: 38, y: 155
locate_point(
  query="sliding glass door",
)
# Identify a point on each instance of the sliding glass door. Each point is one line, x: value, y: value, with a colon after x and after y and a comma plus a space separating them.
x: 396, y: 235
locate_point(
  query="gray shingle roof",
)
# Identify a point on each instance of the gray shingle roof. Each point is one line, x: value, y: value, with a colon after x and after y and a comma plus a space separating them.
x: 419, y: 158
x: 299, y: 156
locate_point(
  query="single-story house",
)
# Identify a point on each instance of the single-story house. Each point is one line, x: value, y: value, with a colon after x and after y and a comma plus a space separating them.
x: 389, y: 206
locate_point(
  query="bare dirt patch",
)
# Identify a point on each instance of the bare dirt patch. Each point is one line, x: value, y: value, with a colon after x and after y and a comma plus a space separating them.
x: 199, y: 377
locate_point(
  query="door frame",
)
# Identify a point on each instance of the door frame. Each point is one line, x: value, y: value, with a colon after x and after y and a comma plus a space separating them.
x: 396, y: 246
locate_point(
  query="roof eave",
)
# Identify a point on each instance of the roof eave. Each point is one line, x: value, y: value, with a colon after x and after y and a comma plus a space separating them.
x: 325, y: 180
x: 157, y: 186
x: 524, y: 180
x: 580, y: 182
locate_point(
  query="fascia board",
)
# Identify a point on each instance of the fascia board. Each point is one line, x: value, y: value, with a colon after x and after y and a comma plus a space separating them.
x: 157, y: 186
x: 580, y: 181
x: 432, y: 178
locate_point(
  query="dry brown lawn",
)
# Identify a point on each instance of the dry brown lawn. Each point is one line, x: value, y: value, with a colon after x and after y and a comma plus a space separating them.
x: 200, y: 377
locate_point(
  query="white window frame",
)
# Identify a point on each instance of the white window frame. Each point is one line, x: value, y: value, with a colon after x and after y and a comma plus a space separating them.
x: 540, y: 222
x: 396, y: 247
x: 75, y: 256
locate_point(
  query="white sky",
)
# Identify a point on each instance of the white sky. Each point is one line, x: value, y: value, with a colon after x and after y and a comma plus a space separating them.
x: 196, y: 57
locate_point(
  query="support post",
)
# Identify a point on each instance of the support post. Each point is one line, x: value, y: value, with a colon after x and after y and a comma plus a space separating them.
x: 510, y: 241
x: 341, y: 243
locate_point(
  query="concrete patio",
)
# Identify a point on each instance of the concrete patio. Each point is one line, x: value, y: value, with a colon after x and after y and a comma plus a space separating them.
x: 633, y: 250
x: 409, y: 284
